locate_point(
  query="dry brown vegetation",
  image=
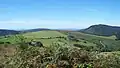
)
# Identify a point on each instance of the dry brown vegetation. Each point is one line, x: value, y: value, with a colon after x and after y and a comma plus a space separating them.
x: 55, y: 56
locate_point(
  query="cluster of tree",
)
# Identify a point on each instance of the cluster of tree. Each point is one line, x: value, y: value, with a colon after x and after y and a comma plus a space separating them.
x: 117, y: 34
x: 60, y: 37
x: 35, y: 43
x: 5, y: 42
x: 73, y: 38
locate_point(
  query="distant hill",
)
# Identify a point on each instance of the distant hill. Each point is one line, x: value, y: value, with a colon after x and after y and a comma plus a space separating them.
x: 43, y: 34
x: 11, y: 32
x: 102, y: 30
x: 34, y: 30
x: 8, y: 32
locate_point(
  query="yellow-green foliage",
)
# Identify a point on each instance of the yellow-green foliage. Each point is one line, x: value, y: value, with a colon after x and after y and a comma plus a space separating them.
x: 58, y: 55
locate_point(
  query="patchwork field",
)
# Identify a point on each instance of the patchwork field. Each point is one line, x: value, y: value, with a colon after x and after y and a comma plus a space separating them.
x: 48, y: 37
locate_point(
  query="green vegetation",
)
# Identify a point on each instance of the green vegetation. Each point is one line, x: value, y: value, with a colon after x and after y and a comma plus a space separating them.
x: 101, y: 30
x: 61, y: 49
x: 109, y: 43
x: 117, y: 35
x: 44, y: 34
x: 47, y: 37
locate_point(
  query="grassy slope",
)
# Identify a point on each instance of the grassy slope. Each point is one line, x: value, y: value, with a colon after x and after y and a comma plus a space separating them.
x: 43, y: 34
x: 90, y: 39
x: 36, y: 36
x: 110, y: 42
x: 11, y: 39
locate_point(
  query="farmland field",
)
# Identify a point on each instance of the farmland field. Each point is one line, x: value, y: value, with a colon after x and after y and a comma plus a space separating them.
x: 44, y: 34
x: 48, y: 37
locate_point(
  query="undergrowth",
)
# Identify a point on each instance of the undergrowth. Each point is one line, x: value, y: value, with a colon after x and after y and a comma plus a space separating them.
x: 59, y: 56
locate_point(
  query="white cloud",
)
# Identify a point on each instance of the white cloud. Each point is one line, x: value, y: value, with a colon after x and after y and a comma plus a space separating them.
x: 27, y: 24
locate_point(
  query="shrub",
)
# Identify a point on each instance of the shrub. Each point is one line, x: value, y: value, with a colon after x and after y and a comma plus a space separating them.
x: 61, y: 56
x: 85, y: 42
x: 79, y: 45
x: 1, y: 42
x: 8, y: 42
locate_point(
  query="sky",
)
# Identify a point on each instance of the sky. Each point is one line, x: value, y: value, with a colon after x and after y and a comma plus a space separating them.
x: 58, y: 14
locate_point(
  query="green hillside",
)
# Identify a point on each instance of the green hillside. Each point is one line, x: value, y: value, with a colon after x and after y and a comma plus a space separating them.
x: 46, y: 37
x: 108, y: 42
x: 43, y: 34
x: 49, y: 37
x: 102, y: 30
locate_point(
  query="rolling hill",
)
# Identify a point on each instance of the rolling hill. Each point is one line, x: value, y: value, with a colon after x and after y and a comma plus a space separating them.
x: 43, y: 34
x: 47, y: 37
x: 34, y: 30
x: 102, y: 30
x: 8, y: 32
x: 108, y: 41
x: 4, y: 32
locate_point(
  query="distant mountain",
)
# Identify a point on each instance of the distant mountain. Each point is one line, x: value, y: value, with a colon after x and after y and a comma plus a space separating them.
x: 34, y: 30
x: 8, y: 32
x: 4, y: 32
x: 102, y: 30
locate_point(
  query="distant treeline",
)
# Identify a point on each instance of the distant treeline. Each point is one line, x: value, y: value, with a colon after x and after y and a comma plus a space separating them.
x: 52, y: 37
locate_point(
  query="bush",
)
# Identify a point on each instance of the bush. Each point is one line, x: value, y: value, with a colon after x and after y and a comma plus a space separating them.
x: 1, y: 42
x: 8, y: 42
x: 61, y: 56
x: 85, y: 42
x: 106, y: 60
x: 79, y: 45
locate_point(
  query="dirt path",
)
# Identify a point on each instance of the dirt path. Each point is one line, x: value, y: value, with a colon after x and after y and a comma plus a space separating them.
x: 102, y: 44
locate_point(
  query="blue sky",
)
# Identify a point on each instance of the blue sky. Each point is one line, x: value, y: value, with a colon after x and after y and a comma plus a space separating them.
x: 26, y: 14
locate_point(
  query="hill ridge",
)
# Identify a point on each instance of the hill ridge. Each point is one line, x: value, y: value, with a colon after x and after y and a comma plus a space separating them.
x: 102, y: 30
